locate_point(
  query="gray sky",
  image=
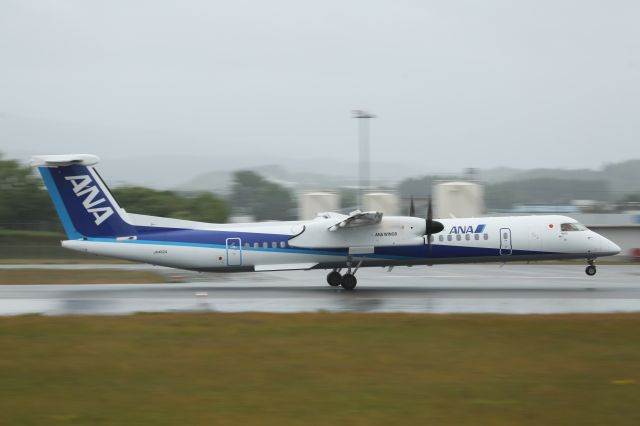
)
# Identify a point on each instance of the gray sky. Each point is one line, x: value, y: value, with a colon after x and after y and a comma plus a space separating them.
x: 455, y: 83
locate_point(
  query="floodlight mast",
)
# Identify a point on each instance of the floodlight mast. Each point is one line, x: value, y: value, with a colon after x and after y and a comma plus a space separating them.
x: 363, y: 144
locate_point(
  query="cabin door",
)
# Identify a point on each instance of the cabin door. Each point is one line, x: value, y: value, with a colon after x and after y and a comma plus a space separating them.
x: 505, y: 242
x: 234, y: 252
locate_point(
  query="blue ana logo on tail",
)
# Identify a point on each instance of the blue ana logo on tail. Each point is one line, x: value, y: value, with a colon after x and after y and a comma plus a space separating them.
x: 467, y: 229
x: 82, y: 188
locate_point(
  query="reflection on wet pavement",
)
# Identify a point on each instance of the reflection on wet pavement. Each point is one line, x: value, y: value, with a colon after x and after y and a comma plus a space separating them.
x: 515, y: 289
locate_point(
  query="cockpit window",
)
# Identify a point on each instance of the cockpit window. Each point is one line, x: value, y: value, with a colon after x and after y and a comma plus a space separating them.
x: 565, y: 227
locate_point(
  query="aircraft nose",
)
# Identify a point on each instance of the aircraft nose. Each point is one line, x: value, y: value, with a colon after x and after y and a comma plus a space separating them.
x: 610, y: 248
x: 614, y: 247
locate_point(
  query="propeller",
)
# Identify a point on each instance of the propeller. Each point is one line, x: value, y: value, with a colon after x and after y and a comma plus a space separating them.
x: 432, y: 226
x: 412, y: 208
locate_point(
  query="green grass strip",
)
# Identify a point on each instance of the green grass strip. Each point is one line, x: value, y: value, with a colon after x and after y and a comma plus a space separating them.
x: 78, y: 276
x: 320, y: 369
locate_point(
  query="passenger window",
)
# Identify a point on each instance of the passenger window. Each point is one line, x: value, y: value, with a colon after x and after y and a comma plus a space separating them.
x: 467, y: 237
x: 441, y: 238
x: 458, y: 237
x: 282, y: 244
x: 274, y: 244
x: 449, y: 238
x: 246, y: 246
x: 476, y: 236
x: 486, y: 236
x: 265, y: 245
x: 256, y: 245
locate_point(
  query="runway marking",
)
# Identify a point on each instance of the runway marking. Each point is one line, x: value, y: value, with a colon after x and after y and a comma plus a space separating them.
x: 488, y: 276
x: 429, y: 276
x: 551, y: 278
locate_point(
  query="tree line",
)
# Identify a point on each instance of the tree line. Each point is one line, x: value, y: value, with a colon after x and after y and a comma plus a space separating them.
x: 532, y: 190
x: 25, y: 204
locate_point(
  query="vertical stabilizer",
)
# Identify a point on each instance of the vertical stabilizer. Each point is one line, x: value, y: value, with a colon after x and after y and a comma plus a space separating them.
x: 84, y: 204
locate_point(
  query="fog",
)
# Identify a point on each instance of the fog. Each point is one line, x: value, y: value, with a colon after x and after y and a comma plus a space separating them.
x: 198, y: 85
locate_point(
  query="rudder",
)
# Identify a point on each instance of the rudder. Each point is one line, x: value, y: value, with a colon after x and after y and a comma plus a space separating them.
x: 83, y: 201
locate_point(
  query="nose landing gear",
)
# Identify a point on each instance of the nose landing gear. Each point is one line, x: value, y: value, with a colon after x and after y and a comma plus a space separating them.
x: 591, y: 269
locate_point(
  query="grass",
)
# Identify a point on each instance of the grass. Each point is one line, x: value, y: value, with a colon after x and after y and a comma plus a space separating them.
x: 89, y: 260
x: 31, y: 234
x: 20, y: 245
x: 353, y: 369
x: 78, y: 276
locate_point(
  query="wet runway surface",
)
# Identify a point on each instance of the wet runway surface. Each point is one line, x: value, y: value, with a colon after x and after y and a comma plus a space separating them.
x: 512, y: 289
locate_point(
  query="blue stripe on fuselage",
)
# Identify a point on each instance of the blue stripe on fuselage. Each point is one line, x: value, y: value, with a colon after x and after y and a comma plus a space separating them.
x: 217, y: 239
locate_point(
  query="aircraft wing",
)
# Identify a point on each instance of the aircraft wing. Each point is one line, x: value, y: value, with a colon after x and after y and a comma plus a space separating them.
x: 284, y: 267
x: 357, y: 218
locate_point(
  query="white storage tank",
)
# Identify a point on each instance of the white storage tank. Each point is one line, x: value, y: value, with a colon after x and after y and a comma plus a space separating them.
x: 385, y: 202
x: 460, y: 199
x: 312, y: 203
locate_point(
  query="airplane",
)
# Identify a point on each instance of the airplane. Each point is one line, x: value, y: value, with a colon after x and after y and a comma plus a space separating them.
x: 95, y: 223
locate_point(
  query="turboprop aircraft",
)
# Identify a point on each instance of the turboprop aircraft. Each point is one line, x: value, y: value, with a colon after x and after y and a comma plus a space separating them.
x: 95, y: 223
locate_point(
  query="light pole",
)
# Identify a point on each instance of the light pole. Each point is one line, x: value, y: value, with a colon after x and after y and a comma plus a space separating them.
x: 363, y: 144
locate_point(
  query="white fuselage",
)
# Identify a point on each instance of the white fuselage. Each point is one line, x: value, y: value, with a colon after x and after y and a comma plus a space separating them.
x: 312, y: 244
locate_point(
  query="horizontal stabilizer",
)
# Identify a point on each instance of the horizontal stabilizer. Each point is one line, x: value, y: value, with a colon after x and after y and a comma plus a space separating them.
x: 64, y: 160
x: 284, y: 267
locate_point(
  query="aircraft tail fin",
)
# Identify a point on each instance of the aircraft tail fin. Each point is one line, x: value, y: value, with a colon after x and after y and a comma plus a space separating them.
x: 83, y: 201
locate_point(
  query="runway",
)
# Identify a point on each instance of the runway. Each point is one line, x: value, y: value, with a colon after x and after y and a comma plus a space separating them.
x: 512, y: 289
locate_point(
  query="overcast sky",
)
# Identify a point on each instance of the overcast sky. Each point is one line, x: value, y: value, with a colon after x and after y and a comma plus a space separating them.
x: 454, y: 83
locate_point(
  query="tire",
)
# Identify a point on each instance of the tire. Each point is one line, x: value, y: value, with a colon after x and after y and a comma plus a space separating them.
x: 334, y: 278
x: 349, y: 281
x: 591, y: 270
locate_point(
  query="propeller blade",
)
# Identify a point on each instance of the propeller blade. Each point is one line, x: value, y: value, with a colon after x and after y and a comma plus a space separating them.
x: 431, y: 226
x: 412, y: 208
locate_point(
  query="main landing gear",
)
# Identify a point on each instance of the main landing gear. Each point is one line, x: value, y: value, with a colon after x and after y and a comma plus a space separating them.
x: 334, y: 278
x: 348, y: 281
x: 591, y: 269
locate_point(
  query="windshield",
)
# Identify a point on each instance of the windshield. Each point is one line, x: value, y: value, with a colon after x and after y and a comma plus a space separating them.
x: 572, y: 227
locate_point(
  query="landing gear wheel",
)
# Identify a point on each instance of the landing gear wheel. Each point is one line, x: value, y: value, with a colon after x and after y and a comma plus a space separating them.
x: 591, y: 270
x: 349, y: 281
x: 334, y: 278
